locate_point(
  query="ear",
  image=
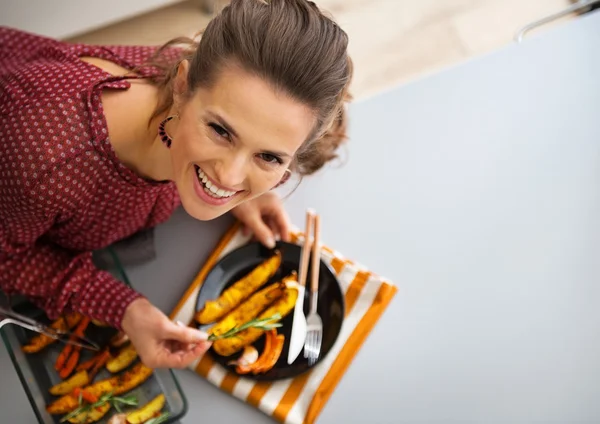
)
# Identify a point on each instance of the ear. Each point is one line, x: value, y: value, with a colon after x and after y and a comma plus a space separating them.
x: 180, y: 86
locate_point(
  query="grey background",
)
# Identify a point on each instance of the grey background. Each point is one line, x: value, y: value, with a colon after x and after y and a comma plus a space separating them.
x: 477, y: 191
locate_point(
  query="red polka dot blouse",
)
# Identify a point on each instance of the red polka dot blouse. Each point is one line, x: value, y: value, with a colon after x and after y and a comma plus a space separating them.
x: 63, y: 192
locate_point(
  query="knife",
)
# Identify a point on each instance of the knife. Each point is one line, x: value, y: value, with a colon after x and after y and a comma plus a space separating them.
x: 298, y: 335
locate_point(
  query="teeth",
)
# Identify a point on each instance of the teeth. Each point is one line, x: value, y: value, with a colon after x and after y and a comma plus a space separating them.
x: 211, y: 189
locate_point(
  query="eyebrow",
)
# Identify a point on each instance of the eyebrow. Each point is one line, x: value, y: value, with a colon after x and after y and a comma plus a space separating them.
x: 231, y: 131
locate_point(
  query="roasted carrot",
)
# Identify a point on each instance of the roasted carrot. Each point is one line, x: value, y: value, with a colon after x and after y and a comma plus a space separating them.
x: 272, y: 356
x: 269, y: 339
x: 90, y: 363
x: 100, y: 362
x: 71, y: 363
x: 85, y: 394
x: 87, y: 364
x: 40, y: 341
x: 82, y: 326
x: 62, y: 357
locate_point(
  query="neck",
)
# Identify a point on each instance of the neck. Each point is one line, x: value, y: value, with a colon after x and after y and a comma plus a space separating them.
x: 147, y: 155
x: 134, y: 139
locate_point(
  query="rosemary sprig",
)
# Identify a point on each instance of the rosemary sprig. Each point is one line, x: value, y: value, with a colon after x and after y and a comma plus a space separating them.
x: 107, y: 397
x: 160, y: 419
x: 261, y: 324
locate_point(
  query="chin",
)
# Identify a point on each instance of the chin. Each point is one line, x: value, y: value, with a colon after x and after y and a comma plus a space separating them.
x: 196, y: 210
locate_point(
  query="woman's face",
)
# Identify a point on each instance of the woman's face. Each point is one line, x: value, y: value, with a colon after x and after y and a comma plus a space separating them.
x: 233, y: 142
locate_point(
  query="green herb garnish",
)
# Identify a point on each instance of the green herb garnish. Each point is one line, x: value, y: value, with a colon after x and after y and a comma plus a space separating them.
x: 261, y: 324
x: 107, y: 397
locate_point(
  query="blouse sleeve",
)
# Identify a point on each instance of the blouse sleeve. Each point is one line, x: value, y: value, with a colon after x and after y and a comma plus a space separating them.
x: 57, y: 281
x: 40, y: 191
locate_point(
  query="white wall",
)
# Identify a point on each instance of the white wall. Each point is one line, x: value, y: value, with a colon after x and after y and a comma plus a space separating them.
x: 66, y: 18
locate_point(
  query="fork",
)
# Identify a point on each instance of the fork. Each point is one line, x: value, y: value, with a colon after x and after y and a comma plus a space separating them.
x: 314, y: 324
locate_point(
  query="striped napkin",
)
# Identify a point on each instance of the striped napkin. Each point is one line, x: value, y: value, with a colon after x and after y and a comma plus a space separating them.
x: 297, y: 400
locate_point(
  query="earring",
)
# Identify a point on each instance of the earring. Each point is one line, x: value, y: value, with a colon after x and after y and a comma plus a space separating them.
x: 284, y: 179
x: 162, y: 132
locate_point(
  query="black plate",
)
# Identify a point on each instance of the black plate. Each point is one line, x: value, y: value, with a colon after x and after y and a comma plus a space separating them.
x: 330, y: 306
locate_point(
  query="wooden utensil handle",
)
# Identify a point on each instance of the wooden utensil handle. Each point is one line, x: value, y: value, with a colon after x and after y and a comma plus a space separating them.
x: 305, y: 252
x: 316, y: 256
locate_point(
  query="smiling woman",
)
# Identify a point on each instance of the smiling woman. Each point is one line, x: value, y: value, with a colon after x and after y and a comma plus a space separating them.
x: 100, y: 142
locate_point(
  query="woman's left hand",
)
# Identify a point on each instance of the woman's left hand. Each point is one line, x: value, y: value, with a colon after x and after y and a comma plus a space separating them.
x: 265, y: 217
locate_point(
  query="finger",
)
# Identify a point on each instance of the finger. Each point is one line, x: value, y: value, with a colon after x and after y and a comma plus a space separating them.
x: 282, y: 222
x: 177, y: 360
x: 201, y: 348
x: 262, y: 232
x: 181, y: 333
x: 245, y: 230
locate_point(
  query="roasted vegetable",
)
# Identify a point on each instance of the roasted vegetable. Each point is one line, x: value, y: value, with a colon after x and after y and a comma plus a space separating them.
x: 40, y: 341
x: 102, y: 359
x: 117, y: 385
x: 69, y: 356
x: 119, y: 418
x: 282, y: 306
x: 91, y: 416
x: 79, y: 379
x: 99, y: 323
x: 271, y: 355
x: 249, y: 309
x: 93, y: 364
x: 119, y: 339
x: 71, y: 363
x: 85, y: 395
x: 124, y: 358
x: 267, y: 359
x: 147, y: 411
x: 244, y: 363
x: 239, y: 291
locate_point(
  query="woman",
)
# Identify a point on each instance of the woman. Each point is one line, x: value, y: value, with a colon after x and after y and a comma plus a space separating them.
x: 100, y: 142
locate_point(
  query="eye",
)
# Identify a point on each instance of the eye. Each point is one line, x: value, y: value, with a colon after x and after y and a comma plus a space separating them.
x: 221, y: 132
x: 269, y: 158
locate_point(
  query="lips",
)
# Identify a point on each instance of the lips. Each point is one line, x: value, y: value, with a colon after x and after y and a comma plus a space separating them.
x: 211, y: 188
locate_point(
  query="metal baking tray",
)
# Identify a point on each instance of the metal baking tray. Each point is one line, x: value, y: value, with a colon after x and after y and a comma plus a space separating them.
x: 37, y: 374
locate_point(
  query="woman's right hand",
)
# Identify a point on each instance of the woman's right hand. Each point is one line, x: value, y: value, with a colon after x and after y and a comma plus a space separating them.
x: 160, y: 342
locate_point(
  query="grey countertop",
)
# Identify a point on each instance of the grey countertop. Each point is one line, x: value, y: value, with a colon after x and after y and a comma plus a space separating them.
x: 477, y: 191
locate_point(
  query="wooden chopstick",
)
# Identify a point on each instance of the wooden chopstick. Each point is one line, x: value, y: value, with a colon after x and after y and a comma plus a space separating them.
x: 316, y: 255
x: 305, y: 252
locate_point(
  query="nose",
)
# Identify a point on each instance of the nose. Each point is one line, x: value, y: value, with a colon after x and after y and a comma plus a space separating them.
x: 231, y: 171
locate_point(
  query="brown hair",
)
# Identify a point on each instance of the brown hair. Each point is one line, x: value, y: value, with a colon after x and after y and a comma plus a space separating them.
x: 289, y: 43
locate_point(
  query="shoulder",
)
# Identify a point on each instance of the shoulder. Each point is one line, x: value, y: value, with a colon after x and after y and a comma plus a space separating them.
x: 44, y: 138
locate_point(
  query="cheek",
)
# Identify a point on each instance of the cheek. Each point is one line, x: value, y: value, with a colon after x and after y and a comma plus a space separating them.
x: 188, y: 148
x: 262, y: 180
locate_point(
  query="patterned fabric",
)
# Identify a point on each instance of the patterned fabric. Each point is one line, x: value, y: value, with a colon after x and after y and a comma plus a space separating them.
x: 298, y: 400
x: 63, y: 192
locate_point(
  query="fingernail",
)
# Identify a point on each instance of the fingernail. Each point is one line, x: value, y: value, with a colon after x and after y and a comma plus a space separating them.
x: 270, y: 242
x: 201, y: 336
x: 181, y: 324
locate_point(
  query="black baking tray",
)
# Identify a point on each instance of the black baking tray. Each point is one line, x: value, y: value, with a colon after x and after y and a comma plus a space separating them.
x: 37, y: 374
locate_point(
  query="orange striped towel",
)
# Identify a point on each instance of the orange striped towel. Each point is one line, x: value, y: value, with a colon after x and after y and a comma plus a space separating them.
x: 298, y: 400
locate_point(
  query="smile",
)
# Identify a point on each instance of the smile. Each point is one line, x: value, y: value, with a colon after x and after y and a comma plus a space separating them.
x: 211, y: 188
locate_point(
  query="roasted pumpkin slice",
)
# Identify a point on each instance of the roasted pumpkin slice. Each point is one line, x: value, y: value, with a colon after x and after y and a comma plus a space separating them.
x: 249, y: 309
x: 213, y: 310
x: 282, y: 306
